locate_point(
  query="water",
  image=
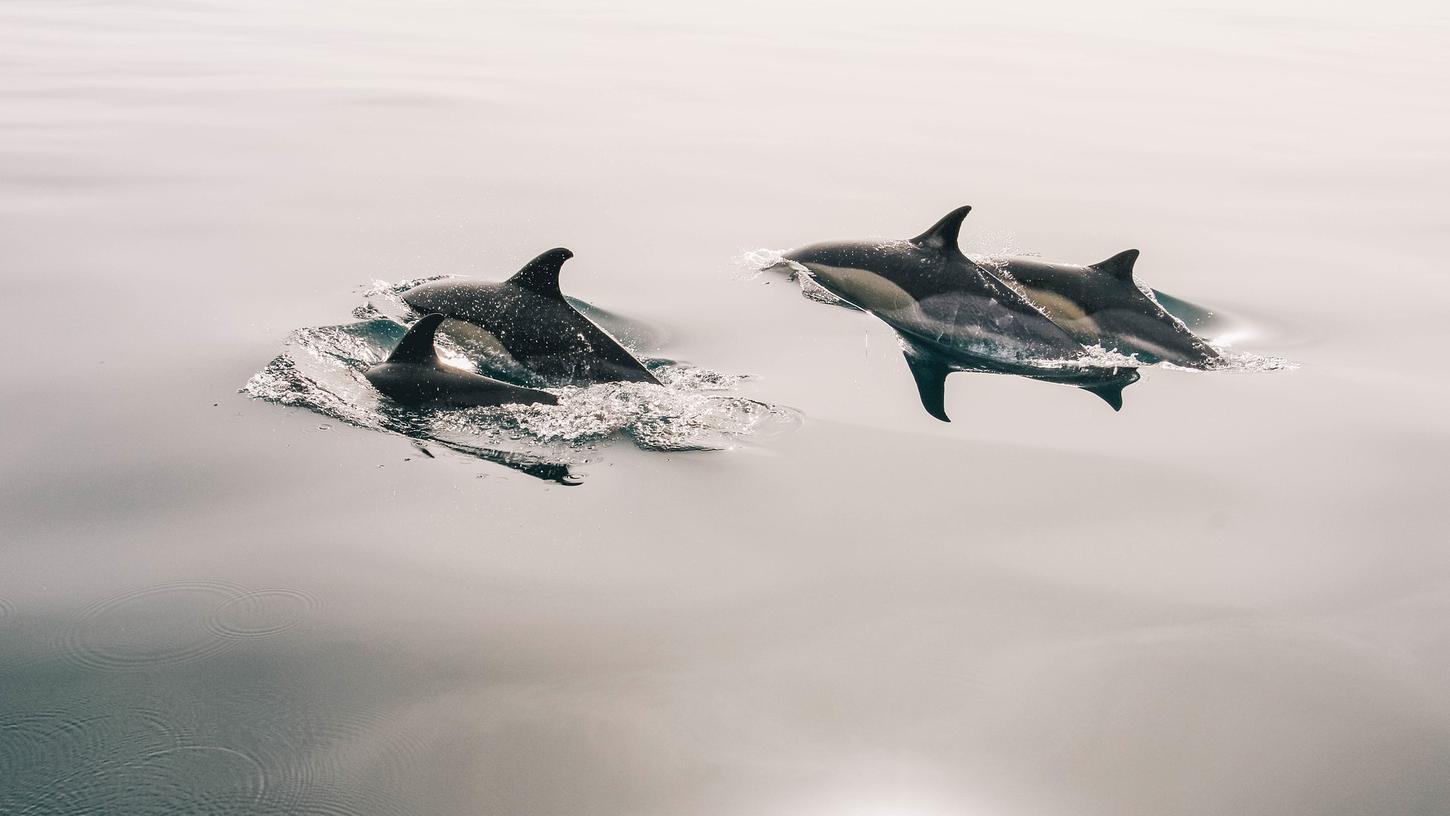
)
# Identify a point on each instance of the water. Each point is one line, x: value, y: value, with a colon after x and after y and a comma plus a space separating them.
x: 1230, y: 597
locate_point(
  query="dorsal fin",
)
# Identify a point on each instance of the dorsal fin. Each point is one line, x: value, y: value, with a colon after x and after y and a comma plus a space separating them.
x: 417, y: 345
x: 1119, y: 266
x: 943, y: 234
x: 541, y: 275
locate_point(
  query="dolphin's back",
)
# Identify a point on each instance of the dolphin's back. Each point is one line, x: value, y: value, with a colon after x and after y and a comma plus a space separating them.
x: 943, y: 298
x: 413, y: 375
x: 544, y: 333
x: 412, y: 384
x: 1102, y: 304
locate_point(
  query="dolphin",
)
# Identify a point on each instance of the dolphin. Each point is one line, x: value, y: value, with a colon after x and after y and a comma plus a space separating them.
x: 1101, y: 304
x: 528, y: 318
x: 413, y: 375
x: 954, y: 315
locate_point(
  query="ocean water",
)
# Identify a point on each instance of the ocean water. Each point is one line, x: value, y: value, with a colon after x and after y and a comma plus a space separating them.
x: 232, y: 582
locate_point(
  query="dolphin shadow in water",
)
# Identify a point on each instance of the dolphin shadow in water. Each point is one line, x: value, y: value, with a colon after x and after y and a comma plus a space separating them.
x: 954, y: 315
x: 415, y: 424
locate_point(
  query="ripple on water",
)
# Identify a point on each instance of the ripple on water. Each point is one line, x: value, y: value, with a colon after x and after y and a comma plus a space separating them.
x: 262, y: 613
x: 77, y: 761
x: 258, y: 751
x: 366, y: 765
x: 179, y: 622
x: 181, y: 780
x: 339, y: 763
x: 152, y: 627
x: 33, y: 744
x: 252, y: 753
x: 196, y: 779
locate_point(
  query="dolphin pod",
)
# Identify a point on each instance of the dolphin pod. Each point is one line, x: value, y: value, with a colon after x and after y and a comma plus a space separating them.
x: 952, y: 314
x: 1020, y: 316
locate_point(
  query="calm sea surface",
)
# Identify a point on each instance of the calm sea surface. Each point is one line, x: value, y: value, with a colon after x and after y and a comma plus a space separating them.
x: 1231, y: 598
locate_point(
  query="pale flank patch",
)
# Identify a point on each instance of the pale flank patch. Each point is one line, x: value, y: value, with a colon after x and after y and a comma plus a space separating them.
x: 478, y: 339
x: 865, y: 289
x: 1065, y: 313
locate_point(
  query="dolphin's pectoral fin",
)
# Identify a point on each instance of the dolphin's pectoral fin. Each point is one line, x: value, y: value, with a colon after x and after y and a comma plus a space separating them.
x: 943, y: 234
x: 931, y: 382
x: 417, y: 345
x: 1112, y: 392
x: 541, y: 275
x: 1119, y: 266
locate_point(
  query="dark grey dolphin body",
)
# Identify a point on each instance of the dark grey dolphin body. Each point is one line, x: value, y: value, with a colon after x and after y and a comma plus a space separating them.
x: 527, y: 317
x: 1101, y: 304
x: 953, y: 314
x: 413, y: 375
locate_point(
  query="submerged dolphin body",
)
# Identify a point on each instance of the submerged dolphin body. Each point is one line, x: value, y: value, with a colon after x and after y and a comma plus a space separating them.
x: 413, y: 375
x: 529, y: 319
x: 1101, y: 304
x: 953, y: 315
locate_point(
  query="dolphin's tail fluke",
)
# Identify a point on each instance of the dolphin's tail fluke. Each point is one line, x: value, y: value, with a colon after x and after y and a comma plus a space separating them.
x: 417, y: 345
x: 931, y: 383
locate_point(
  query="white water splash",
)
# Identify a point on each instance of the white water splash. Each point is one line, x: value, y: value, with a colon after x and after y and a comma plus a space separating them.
x: 757, y: 262
x: 321, y: 369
